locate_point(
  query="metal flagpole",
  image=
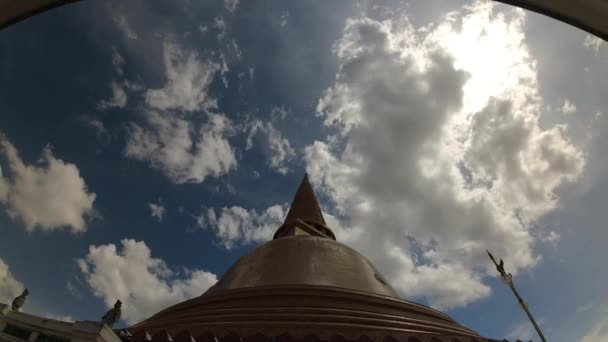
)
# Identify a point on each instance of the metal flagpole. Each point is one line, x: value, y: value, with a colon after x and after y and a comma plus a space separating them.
x: 507, y: 278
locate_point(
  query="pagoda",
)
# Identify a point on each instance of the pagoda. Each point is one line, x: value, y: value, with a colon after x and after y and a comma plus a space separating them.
x: 302, y: 285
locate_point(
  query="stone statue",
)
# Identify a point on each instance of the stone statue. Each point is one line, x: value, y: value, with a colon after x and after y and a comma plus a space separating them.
x: 20, y: 300
x: 113, y: 315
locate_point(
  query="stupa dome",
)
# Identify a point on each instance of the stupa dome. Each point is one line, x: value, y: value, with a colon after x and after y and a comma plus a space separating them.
x: 302, y: 285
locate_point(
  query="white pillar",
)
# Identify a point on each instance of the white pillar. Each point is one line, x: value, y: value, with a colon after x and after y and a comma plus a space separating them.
x: 33, y: 336
x: 4, y: 309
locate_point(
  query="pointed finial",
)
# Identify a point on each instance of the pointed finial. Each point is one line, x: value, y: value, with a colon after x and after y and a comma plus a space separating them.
x: 305, y: 207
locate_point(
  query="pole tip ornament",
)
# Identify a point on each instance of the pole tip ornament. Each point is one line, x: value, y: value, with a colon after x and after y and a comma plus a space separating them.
x: 500, y: 266
x: 507, y: 278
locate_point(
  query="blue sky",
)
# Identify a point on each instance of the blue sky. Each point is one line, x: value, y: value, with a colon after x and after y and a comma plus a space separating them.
x: 147, y: 145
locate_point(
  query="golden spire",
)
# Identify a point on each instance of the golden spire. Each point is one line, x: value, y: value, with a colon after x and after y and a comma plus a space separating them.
x: 305, y: 207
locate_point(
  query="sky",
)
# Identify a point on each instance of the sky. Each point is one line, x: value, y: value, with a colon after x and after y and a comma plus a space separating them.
x: 146, y: 145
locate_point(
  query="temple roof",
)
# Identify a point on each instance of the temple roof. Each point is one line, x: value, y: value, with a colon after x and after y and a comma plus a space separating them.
x: 301, y: 311
x: 209, y: 336
x: 588, y: 15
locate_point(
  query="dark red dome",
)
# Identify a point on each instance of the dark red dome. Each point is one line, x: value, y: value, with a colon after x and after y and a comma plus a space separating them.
x: 304, y: 285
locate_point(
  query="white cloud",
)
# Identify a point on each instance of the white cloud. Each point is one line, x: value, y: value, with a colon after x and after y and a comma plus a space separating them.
x: 48, y: 196
x: 82, y: 265
x: 172, y: 145
x: 568, y: 107
x: 231, y: 5
x: 96, y: 124
x: 592, y: 42
x: 280, y: 149
x: 187, y: 81
x: 117, y: 61
x: 73, y: 290
x: 284, y: 18
x: 278, y: 113
x: 184, y: 150
x: 584, y: 307
x: 444, y: 160
x: 220, y: 25
x: 124, y: 26
x: 119, y: 97
x: 144, y: 284
x: 157, y: 210
x: 9, y: 286
x: 521, y: 331
x: 236, y: 225
x: 599, y: 332
x: 224, y: 67
x: 63, y: 318
x: 119, y: 87
x: 552, y: 238
x: 234, y: 50
x: 440, y: 154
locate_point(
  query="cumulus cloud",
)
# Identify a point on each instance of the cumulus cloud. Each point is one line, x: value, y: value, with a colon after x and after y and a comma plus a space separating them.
x: 157, y: 210
x: 278, y: 146
x: 187, y: 81
x: 171, y: 137
x: 432, y: 160
x: 439, y: 153
x: 172, y: 145
x: 592, y: 42
x: 143, y: 283
x: 236, y: 225
x: 9, y: 286
x: 48, y: 196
